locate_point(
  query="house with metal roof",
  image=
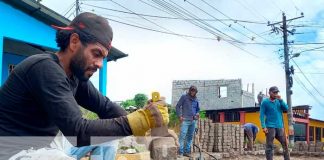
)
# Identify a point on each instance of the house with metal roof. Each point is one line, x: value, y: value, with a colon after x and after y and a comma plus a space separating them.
x: 25, y: 29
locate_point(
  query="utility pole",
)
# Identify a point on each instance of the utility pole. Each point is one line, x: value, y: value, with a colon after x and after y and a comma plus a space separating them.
x: 288, y: 81
x: 288, y: 72
x: 77, y: 7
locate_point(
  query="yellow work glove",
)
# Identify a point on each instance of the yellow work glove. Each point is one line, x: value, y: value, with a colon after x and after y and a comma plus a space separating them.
x: 155, y: 114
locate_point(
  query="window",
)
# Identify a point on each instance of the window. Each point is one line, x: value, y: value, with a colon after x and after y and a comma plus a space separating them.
x: 11, y: 67
x: 300, y: 131
x: 311, y: 133
x: 318, y: 134
x: 222, y: 92
x: 232, y: 116
x: 322, y: 132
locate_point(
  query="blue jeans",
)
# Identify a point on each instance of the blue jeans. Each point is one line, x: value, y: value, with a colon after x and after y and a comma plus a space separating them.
x: 187, y: 131
x: 100, y: 151
x: 104, y: 151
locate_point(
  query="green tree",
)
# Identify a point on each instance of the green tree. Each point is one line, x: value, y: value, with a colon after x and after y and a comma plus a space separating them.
x: 140, y: 100
x: 127, y: 103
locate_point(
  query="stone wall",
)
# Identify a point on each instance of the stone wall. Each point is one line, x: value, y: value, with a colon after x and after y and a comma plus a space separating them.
x: 248, y: 99
x: 209, y: 93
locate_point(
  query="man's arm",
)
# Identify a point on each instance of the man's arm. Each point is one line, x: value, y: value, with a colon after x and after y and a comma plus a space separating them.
x: 90, y: 98
x: 52, y: 91
x: 179, y: 106
x: 198, y: 107
x: 262, y: 114
x: 283, y: 105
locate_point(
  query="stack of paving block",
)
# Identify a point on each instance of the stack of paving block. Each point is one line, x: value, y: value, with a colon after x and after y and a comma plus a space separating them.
x: 227, y: 137
x: 218, y: 142
x: 211, y: 135
x: 241, y: 131
x: 311, y: 147
x: 297, y: 146
x: 319, y: 147
x: 303, y: 146
x: 206, y: 138
x: 218, y: 137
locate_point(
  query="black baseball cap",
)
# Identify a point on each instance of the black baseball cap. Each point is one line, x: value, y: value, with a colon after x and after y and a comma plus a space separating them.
x: 93, y: 25
x: 193, y: 88
x: 274, y: 89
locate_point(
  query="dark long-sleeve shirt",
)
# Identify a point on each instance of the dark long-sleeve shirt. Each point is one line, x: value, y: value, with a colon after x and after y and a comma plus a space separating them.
x: 38, y: 99
x: 187, y: 107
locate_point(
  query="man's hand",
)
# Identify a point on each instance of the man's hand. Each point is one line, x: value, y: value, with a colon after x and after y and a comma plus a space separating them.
x: 155, y: 114
x: 196, y: 116
x: 278, y: 97
x: 181, y: 119
x: 265, y: 130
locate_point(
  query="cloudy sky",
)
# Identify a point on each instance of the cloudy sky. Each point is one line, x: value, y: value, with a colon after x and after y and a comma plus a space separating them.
x: 158, y: 36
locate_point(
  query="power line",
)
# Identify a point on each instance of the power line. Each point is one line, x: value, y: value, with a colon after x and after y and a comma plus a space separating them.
x: 307, y: 78
x: 142, y: 17
x: 122, y: 18
x: 275, y: 4
x: 257, y: 14
x: 175, y: 11
x: 173, y: 18
x: 217, y: 19
x: 311, y: 72
x: 306, y: 43
x: 307, y: 91
x: 237, y: 23
x: 183, y: 13
x: 312, y: 49
x: 159, y: 31
x: 68, y: 9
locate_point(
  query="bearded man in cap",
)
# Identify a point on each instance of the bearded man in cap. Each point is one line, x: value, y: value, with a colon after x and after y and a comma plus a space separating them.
x: 44, y: 92
x: 271, y: 117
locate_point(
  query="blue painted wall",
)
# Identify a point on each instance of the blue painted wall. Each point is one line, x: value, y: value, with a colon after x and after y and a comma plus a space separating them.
x: 8, y: 60
x: 17, y: 25
x: 103, y: 77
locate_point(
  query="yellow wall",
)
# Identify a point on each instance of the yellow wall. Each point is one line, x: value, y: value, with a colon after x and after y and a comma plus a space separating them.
x: 315, y: 124
x: 253, y: 117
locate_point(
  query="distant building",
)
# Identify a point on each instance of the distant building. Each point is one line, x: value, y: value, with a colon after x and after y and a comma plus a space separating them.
x: 216, y: 94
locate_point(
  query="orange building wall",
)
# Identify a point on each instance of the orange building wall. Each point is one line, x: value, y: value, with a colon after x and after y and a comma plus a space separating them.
x: 253, y: 117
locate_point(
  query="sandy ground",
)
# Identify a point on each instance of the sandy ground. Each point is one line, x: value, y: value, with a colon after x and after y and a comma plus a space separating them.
x: 248, y: 157
x: 259, y: 157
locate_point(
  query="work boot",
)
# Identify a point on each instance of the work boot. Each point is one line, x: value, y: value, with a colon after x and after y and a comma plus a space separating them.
x: 187, y: 155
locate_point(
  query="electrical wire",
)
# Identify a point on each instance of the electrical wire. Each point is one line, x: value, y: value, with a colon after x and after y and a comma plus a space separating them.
x: 312, y: 49
x: 307, y: 78
x: 142, y: 17
x: 69, y: 9
x: 231, y: 18
x: 168, y: 6
x: 201, y: 24
x: 302, y: 85
x: 217, y: 19
x: 257, y: 14
x: 172, y: 18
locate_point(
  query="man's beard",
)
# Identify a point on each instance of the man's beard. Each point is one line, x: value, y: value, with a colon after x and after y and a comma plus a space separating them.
x: 78, y: 65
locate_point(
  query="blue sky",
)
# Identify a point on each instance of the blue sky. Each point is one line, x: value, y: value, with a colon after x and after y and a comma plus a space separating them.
x: 155, y: 59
